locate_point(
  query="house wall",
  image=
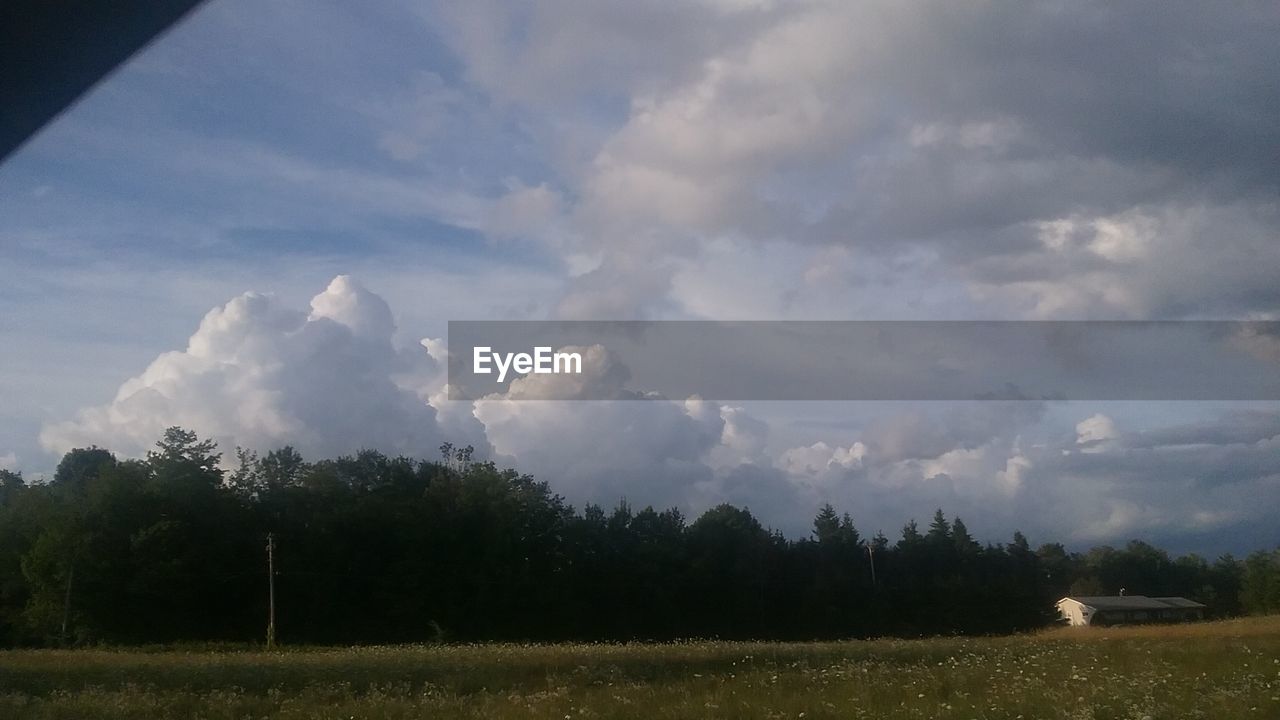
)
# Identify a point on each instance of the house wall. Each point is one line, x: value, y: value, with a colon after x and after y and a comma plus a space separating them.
x: 1075, y: 613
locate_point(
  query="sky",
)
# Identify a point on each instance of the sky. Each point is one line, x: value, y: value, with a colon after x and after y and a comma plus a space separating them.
x: 253, y: 226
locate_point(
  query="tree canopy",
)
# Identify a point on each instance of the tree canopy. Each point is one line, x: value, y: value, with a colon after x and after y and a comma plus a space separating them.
x: 371, y: 548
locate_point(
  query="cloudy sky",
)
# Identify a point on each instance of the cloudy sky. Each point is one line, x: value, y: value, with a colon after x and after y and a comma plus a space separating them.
x: 251, y: 228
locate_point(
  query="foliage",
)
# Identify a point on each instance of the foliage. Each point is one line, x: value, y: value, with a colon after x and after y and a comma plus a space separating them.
x: 374, y: 549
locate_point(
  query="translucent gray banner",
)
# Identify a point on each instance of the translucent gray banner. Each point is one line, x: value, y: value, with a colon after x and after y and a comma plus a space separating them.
x: 864, y: 360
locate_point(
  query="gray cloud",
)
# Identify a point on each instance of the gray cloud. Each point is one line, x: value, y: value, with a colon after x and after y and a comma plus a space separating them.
x: 1135, y: 137
x: 719, y: 159
x: 259, y: 374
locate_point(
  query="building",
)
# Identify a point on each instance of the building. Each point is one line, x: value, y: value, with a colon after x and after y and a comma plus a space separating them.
x: 1127, y: 609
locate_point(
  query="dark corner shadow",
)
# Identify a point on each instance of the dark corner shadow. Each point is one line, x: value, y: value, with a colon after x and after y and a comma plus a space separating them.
x: 54, y: 51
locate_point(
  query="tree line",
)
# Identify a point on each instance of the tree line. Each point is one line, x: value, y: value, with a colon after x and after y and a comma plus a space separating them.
x: 374, y: 549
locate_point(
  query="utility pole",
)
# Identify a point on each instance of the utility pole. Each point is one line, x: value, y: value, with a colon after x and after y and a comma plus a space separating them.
x: 871, y: 556
x: 66, y: 602
x: 271, y: 591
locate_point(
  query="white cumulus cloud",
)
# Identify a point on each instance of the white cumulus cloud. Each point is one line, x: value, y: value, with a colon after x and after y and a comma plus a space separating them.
x: 260, y: 375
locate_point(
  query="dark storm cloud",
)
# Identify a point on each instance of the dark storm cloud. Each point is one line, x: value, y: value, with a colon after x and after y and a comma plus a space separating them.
x: 1190, y: 86
x: 1241, y: 427
x: 1063, y: 159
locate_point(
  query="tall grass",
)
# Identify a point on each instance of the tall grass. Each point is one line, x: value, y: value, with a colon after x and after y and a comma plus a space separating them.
x: 1211, y: 670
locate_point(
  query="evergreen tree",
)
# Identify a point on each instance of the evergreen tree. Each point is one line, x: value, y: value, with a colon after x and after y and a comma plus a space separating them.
x: 372, y: 548
x: 939, y: 533
x: 826, y: 526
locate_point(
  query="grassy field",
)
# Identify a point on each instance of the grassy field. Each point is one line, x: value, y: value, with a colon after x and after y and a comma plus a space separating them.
x: 1211, y: 670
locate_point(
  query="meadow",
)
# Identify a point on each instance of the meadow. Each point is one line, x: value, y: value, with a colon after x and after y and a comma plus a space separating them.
x: 1217, y: 670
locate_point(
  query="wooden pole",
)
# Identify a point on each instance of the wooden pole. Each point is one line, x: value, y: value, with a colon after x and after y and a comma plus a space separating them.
x: 871, y: 556
x: 271, y: 591
x: 66, y: 602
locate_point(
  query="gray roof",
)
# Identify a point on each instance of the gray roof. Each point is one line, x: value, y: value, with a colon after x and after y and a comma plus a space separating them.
x: 1180, y: 602
x: 1134, y: 602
